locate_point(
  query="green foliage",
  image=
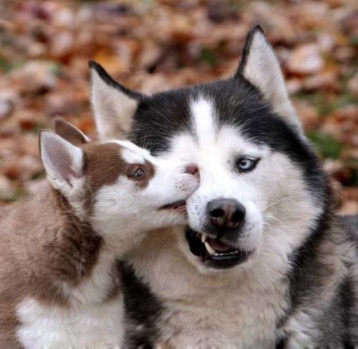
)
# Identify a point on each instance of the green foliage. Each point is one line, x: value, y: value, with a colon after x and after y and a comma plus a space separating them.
x: 354, y: 40
x: 56, y: 68
x: 208, y: 56
x: 327, y: 145
x: 38, y: 175
x: 37, y: 127
x: 18, y: 194
x: 5, y: 64
x: 326, y: 106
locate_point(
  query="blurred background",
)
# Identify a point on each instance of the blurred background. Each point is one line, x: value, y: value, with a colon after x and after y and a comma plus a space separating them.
x: 157, y: 45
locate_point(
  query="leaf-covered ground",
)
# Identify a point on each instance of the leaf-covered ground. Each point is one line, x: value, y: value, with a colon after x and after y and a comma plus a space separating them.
x: 156, y: 45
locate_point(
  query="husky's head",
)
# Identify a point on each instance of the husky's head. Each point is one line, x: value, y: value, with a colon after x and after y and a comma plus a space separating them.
x: 262, y: 191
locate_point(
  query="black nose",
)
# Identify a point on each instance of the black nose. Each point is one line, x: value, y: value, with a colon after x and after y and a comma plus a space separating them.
x: 226, y: 213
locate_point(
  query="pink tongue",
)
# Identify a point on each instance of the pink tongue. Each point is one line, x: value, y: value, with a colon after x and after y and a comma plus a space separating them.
x: 218, y: 245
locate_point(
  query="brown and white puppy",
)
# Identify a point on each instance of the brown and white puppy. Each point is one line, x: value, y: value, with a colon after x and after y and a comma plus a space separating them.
x: 59, y: 285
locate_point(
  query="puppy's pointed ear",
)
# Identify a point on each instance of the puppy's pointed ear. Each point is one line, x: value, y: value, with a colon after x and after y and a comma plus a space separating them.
x: 63, y: 161
x: 261, y: 67
x: 70, y: 133
x: 113, y: 104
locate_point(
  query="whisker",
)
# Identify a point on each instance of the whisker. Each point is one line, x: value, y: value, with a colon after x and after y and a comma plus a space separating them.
x: 273, y: 217
x: 276, y: 202
x: 275, y: 229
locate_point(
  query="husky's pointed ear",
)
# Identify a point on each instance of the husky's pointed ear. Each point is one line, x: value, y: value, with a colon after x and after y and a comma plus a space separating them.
x: 63, y: 161
x: 261, y: 67
x: 69, y: 132
x: 113, y: 104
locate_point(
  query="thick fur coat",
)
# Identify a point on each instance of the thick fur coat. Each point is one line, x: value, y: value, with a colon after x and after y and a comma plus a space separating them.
x: 290, y: 277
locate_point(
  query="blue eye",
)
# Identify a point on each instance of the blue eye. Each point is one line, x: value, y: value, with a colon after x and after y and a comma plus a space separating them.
x: 246, y: 164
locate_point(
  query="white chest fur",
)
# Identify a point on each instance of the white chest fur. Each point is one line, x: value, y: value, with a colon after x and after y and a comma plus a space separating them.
x: 223, y: 320
x: 85, y: 327
x: 231, y: 327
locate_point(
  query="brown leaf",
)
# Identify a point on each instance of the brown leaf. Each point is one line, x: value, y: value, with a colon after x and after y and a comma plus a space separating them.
x: 305, y: 59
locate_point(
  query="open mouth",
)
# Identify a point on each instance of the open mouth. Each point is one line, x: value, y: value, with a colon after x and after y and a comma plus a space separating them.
x: 175, y: 206
x: 213, y: 252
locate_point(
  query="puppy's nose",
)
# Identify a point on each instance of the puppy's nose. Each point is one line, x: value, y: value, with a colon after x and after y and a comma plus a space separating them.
x: 226, y: 213
x: 192, y: 169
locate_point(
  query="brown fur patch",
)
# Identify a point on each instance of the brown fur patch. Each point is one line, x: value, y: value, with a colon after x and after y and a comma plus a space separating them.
x: 9, y: 345
x: 103, y: 164
x: 69, y: 132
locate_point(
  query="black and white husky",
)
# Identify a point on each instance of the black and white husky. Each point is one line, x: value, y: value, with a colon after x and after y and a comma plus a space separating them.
x: 263, y: 263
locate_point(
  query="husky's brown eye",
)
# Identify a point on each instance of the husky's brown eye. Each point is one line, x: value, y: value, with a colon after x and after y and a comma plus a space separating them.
x: 136, y: 173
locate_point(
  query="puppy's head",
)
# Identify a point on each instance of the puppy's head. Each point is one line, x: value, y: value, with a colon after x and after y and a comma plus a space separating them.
x: 116, y: 186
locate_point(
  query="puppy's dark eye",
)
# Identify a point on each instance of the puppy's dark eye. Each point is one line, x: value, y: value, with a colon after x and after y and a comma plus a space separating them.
x: 136, y: 173
x: 246, y: 164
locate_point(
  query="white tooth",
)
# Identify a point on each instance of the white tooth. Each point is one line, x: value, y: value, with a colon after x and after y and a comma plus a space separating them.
x: 203, y: 237
x: 210, y: 249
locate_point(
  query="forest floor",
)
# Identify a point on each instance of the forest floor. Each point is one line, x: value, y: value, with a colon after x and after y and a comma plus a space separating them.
x: 157, y: 45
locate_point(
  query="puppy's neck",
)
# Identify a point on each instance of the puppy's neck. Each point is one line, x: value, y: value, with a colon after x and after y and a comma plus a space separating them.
x: 59, y: 240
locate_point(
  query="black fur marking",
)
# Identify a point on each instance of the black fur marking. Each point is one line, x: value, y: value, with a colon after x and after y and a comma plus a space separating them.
x: 142, y: 310
x: 348, y: 300
x: 351, y: 224
x: 281, y: 344
x: 111, y: 82
x: 335, y: 331
x: 247, y: 48
x: 160, y: 117
x: 306, y: 271
x: 305, y: 282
